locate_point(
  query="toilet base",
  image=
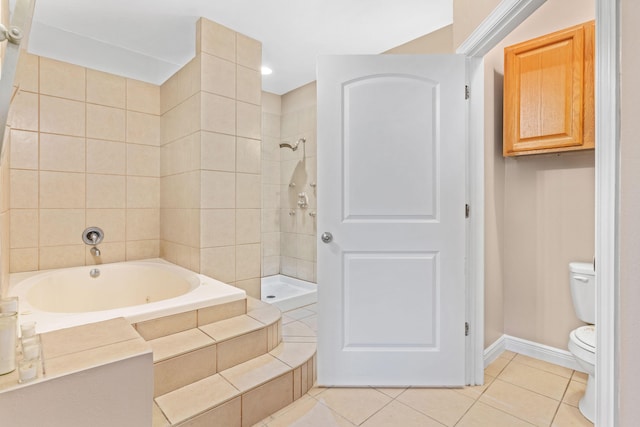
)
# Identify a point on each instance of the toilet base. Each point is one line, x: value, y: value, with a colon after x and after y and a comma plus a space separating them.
x: 587, y: 404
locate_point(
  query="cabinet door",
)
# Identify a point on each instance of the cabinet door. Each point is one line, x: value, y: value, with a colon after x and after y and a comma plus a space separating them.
x: 548, y: 93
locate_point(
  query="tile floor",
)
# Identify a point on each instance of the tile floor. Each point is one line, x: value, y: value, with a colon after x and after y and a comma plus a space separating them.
x: 518, y: 391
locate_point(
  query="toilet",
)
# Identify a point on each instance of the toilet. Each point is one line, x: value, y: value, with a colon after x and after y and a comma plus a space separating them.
x: 582, y: 341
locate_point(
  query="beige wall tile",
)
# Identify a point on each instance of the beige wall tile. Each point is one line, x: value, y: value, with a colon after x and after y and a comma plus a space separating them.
x: 23, y: 113
x: 61, y: 227
x: 216, y: 39
x: 218, y: 190
x: 248, y: 158
x: 109, y: 252
x: 249, y: 88
x: 219, y: 263
x: 247, y: 261
x: 111, y: 221
x: 218, y: 76
x: 62, y: 116
x: 270, y: 266
x: 219, y: 114
x: 142, y: 249
x: 270, y: 244
x: 168, y: 94
x: 62, y: 79
x: 180, y: 156
x: 105, y: 191
x: 247, y: 226
x: 270, y: 172
x: 270, y: 220
x: 27, y: 73
x: 106, y: 89
x: 218, y: 227
x: 249, y: 52
x: 179, y: 371
x: 61, y: 256
x: 23, y: 259
x: 180, y: 191
x: 23, y: 189
x: 143, y: 97
x: 250, y: 286
x: 143, y: 192
x: 106, y: 157
x: 189, y: 79
x: 240, y: 349
x: 143, y: 160
x: 249, y: 120
x: 248, y: 191
x: 267, y: 399
x: 228, y: 414
x: 62, y: 153
x: 24, y: 150
x: 218, y: 151
x: 143, y: 128
x: 221, y: 311
x: 23, y: 231
x: 105, y: 123
x: 62, y: 190
x: 143, y: 224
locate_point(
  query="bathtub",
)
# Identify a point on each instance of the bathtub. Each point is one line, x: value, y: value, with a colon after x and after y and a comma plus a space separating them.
x: 135, y: 290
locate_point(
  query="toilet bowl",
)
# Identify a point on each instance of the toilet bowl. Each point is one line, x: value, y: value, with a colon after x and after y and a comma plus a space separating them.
x: 582, y: 344
x: 582, y: 340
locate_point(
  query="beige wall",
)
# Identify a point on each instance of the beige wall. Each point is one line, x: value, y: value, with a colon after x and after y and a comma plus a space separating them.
x: 271, y: 115
x: 298, y: 175
x: 211, y: 159
x: 84, y: 152
x: 467, y: 15
x: 540, y: 209
x: 439, y: 41
x: 629, y: 369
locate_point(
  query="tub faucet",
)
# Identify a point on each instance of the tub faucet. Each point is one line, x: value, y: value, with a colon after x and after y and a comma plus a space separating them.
x: 95, y: 251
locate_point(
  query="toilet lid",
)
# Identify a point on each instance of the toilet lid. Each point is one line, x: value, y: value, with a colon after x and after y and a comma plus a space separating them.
x: 587, y: 335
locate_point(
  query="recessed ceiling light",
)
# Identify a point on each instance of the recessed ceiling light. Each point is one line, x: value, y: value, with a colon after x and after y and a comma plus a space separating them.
x: 265, y: 70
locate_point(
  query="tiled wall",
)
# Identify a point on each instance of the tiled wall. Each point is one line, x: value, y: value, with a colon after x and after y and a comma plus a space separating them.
x: 211, y: 159
x: 298, y: 225
x: 271, y: 115
x: 85, y: 151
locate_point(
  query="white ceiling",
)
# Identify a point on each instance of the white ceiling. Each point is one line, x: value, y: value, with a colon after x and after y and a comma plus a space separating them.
x: 151, y: 39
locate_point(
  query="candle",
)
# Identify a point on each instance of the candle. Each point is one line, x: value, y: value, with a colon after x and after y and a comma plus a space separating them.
x: 31, y: 351
x: 27, y: 329
x: 8, y: 342
x: 28, y: 370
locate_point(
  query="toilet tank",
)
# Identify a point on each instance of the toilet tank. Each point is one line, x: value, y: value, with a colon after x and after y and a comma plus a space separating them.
x: 583, y: 290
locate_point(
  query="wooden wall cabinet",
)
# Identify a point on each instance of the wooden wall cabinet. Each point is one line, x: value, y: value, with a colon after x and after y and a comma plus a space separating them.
x: 548, y: 93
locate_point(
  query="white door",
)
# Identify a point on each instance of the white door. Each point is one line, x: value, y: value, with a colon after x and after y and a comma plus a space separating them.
x: 391, y: 192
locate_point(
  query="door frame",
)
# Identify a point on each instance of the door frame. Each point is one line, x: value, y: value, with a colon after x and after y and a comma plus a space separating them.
x: 504, y: 18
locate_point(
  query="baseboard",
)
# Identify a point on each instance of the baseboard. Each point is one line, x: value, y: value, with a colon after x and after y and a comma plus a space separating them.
x: 531, y: 349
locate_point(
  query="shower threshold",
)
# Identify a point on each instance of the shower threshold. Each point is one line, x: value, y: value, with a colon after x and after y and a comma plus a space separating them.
x: 288, y: 293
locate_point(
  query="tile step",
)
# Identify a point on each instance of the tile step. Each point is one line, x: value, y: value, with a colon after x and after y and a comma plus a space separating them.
x: 243, y: 394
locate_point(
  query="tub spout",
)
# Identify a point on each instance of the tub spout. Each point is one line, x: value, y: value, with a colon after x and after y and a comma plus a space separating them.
x: 95, y: 251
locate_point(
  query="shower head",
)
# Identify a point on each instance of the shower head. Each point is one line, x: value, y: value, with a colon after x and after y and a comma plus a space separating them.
x: 294, y: 146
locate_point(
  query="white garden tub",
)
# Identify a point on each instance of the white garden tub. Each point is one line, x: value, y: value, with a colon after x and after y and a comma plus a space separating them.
x: 136, y: 290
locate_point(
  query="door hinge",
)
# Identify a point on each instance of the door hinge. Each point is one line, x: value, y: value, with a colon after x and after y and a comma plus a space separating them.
x: 466, y: 92
x: 467, y: 209
x: 466, y: 329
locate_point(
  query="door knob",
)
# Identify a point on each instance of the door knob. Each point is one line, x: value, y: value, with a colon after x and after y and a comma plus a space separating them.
x: 326, y: 237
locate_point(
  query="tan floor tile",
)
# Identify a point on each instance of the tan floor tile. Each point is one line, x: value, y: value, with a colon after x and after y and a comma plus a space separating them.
x: 481, y: 415
x: 286, y: 319
x: 158, y: 418
x: 392, y: 392
x: 254, y: 304
x: 255, y: 372
x: 230, y: 328
x: 525, y: 404
x: 266, y: 315
x: 226, y: 415
x: 195, y: 398
x: 287, y: 408
x: 175, y: 344
x: 299, y: 313
x: 508, y: 354
x: 397, y: 414
x: 242, y: 348
x: 533, y: 379
x: 294, y: 354
x: 267, y: 399
x: 313, y: 307
x: 542, y: 365
x: 355, y: 404
x: 580, y: 376
x: 476, y: 391
x: 568, y: 416
x: 311, y: 321
x: 496, y: 366
x: 574, y: 393
x: 316, y: 390
x: 309, y: 413
x: 444, y: 405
